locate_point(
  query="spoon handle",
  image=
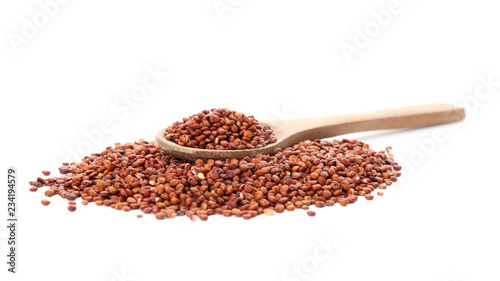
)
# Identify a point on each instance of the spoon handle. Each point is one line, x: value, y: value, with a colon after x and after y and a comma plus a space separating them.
x: 395, y: 118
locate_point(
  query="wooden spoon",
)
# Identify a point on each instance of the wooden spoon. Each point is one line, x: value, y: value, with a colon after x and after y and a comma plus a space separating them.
x: 290, y: 132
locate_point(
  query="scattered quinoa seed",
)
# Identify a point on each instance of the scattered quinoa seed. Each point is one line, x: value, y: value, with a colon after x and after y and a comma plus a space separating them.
x: 140, y: 176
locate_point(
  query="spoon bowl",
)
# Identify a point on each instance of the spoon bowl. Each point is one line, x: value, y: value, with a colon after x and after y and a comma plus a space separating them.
x: 289, y: 132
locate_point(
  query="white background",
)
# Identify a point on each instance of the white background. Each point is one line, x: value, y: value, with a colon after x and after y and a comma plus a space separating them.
x: 275, y: 60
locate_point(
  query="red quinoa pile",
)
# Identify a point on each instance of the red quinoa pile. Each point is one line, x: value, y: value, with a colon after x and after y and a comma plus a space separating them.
x: 141, y: 176
x: 220, y: 129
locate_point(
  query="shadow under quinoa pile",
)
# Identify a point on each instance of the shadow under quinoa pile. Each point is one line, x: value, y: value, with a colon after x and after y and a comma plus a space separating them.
x: 141, y: 176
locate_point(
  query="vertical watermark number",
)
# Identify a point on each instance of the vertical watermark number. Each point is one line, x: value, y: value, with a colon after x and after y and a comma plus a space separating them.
x: 11, y: 220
